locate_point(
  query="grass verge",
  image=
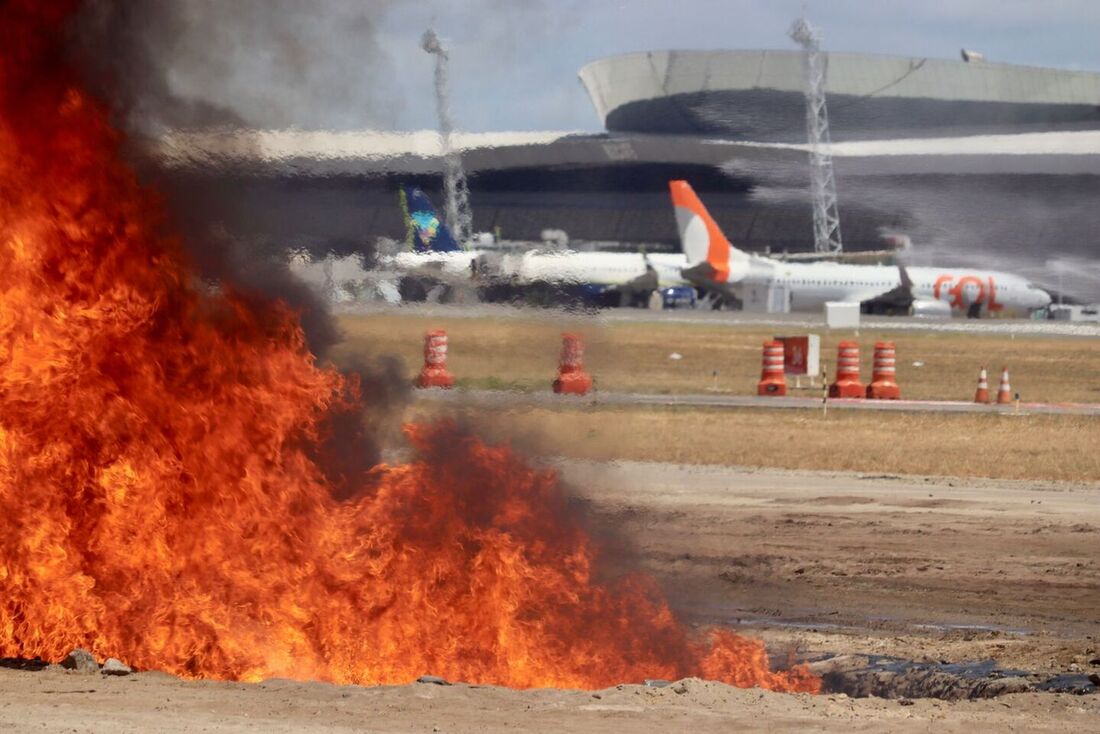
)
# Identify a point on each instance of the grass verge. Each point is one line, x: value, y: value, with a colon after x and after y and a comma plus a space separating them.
x: 1034, y: 447
x: 522, y: 354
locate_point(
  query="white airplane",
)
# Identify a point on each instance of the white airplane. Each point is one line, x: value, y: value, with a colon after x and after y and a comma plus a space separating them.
x: 606, y: 278
x: 879, y: 289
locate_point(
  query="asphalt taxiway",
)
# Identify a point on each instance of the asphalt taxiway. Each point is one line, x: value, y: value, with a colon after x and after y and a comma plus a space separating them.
x: 789, y: 321
x: 505, y: 398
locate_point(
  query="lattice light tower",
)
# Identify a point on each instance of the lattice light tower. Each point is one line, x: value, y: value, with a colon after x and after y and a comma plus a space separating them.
x: 459, y: 217
x: 822, y: 182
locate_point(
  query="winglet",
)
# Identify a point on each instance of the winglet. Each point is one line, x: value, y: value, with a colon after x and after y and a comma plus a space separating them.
x: 906, y: 281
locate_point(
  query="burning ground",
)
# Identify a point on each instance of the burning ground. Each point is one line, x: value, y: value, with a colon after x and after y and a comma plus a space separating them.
x: 175, y: 485
x: 823, y: 562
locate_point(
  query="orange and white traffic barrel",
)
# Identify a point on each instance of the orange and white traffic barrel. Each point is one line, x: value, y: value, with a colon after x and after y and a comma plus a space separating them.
x: 884, y: 384
x: 982, y: 393
x: 1004, y: 391
x: 772, y: 380
x: 847, y: 383
x: 572, y: 379
x: 434, y: 372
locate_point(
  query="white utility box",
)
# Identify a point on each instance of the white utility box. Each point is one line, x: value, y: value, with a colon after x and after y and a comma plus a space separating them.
x: 841, y: 315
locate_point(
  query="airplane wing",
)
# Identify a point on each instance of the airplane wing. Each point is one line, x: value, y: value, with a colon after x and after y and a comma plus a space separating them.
x: 896, y: 301
x: 640, y: 287
x: 900, y: 301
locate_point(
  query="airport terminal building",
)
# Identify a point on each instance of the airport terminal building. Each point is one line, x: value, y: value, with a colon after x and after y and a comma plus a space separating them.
x: 758, y: 96
x: 980, y: 163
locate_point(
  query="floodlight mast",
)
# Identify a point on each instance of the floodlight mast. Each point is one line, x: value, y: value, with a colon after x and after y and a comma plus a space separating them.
x: 822, y: 182
x: 456, y: 192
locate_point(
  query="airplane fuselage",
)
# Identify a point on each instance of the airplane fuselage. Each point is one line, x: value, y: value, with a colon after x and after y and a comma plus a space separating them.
x: 455, y: 263
x: 808, y: 285
x: 811, y: 285
x: 593, y: 268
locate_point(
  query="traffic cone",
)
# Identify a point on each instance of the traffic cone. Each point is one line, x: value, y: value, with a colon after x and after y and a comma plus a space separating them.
x: 847, y: 383
x: 884, y: 385
x: 772, y: 381
x: 1004, y: 392
x: 572, y: 379
x: 982, y: 395
x: 434, y: 373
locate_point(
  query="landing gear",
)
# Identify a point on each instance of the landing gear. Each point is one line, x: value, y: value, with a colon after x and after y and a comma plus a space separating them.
x: 718, y: 302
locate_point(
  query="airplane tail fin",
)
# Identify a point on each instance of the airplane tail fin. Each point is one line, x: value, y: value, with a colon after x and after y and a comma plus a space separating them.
x: 700, y: 236
x: 430, y: 234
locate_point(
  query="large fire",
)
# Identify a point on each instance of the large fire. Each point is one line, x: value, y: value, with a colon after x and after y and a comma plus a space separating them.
x: 161, y: 499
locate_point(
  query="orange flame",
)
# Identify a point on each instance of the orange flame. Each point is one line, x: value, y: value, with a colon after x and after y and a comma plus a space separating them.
x: 160, y: 499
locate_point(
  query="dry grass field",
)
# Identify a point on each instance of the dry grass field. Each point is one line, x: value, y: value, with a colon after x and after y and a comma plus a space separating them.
x: 520, y: 354
x: 1036, y: 447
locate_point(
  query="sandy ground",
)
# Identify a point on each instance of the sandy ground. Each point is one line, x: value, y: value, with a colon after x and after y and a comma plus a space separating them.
x: 149, y: 702
x: 916, y: 567
x: 926, y: 569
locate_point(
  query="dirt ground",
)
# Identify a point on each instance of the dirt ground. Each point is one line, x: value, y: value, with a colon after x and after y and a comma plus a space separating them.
x: 927, y: 569
x: 916, y: 567
x: 150, y: 702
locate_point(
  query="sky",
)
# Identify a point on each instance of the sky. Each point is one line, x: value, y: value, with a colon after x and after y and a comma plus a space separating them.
x: 348, y: 64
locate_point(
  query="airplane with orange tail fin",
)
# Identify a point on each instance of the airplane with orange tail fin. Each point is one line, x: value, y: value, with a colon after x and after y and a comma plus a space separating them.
x: 765, y: 284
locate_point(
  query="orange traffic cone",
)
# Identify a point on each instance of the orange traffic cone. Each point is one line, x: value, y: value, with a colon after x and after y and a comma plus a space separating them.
x: 982, y: 395
x: 1004, y: 392
x: 772, y: 381
x: 434, y: 373
x: 572, y: 379
x: 847, y: 383
x: 884, y: 385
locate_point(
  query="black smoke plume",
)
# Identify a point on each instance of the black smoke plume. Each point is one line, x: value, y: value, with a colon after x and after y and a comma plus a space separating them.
x: 245, y: 64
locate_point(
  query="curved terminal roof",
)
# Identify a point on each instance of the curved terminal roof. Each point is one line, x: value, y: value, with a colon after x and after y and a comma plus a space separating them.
x: 757, y: 94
